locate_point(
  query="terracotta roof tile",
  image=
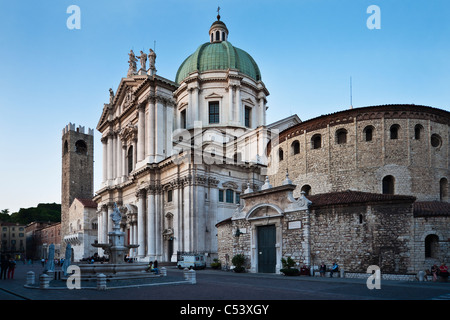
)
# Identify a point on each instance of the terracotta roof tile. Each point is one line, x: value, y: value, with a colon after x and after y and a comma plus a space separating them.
x: 353, y: 197
x: 431, y: 208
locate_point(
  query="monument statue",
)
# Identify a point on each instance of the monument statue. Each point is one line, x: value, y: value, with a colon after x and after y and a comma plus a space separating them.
x: 151, y: 62
x: 111, y: 96
x: 143, y: 60
x: 116, y: 216
x: 132, y: 63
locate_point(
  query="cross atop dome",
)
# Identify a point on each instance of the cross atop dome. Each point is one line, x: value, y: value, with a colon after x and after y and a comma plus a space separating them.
x: 218, y: 31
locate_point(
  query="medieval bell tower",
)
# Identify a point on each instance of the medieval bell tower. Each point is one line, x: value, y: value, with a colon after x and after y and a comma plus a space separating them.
x: 77, y: 170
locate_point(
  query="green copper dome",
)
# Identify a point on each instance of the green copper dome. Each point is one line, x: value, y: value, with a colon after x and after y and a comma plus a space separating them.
x: 218, y: 56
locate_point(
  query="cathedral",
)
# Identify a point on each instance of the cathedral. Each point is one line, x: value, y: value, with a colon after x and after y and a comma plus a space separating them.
x: 178, y: 154
x: 194, y: 167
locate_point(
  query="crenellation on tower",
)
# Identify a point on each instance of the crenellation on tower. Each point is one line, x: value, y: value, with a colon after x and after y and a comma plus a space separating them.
x: 80, y: 129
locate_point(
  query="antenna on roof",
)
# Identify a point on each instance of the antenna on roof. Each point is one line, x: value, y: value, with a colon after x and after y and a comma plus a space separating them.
x: 351, y: 97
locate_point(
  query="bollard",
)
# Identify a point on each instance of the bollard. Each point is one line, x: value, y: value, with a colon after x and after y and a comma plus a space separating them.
x: 341, y: 273
x: 51, y: 274
x: 44, y: 281
x: 190, y: 277
x: 185, y: 271
x: 163, y: 272
x: 101, y: 282
x: 421, y: 275
x: 30, y: 278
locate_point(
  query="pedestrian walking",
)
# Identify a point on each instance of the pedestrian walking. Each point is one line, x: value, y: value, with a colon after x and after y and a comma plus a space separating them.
x: 11, y: 268
x: 4, y: 264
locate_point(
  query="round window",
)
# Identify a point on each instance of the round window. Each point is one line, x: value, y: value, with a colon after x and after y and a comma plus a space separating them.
x: 436, y: 140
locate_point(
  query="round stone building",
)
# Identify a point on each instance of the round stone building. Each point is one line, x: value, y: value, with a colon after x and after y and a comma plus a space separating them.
x: 388, y: 149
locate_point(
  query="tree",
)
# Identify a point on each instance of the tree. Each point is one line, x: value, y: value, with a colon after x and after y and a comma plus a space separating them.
x: 43, y: 212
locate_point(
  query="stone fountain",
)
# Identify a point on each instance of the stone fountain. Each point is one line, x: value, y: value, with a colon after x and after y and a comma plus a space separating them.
x: 117, y: 267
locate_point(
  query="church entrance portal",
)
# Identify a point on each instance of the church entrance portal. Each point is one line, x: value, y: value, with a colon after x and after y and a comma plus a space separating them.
x: 266, y: 249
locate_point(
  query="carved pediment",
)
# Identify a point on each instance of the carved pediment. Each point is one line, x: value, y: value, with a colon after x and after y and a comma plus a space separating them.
x: 230, y: 185
x: 214, y: 96
x: 263, y: 211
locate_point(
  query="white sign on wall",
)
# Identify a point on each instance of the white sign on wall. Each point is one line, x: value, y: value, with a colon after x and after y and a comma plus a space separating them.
x: 294, y: 225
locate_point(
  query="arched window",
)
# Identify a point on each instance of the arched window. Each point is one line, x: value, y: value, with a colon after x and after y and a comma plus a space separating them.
x: 418, y: 129
x: 217, y: 35
x: 394, y: 130
x: 280, y: 154
x: 431, y: 246
x: 295, y: 147
x: 223, y: 36
x: 316, y: 141
x: 388, y: 185
x: 130, y: 159
x: 341, y: 136
x: 306, y: 189
x: 80, y: 147
x: 368, y: 133
x: 443, y: 189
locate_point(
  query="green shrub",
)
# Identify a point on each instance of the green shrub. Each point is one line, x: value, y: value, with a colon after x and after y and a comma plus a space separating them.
x: 216, y: 264
x: 288, y: 269
x: 238, y: 262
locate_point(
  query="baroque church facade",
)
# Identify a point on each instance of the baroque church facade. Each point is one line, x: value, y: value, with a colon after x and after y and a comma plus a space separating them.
x: 177, y: 155
x: 194, y: 167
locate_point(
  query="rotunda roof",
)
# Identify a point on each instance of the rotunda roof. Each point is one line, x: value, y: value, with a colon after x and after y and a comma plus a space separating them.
x: 219, y: 54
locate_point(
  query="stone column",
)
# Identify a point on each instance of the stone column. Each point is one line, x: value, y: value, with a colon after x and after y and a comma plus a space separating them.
x: 176, y: 228
x: 151, y: 131
x: 160, y: 125
x: 120, y: 160
x: 262, y: 112
x: 158, y: 231
x: 141, y: 133
x: 124, y: 160
x: 140, y: 194
x: 104, y: 228
x: 99, y: 228
x: 108, y: 218
x: 238, y: 109
x: 110, y: 157
x: 187, y: 220
x: 151, y: 247
x: 231, y: 104
x: 104, y: 141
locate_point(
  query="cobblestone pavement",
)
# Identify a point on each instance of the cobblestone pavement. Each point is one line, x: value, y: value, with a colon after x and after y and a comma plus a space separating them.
x: 220, y: 288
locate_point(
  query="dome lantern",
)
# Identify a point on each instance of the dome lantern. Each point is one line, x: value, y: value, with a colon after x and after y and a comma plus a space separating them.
x: 218, y: 31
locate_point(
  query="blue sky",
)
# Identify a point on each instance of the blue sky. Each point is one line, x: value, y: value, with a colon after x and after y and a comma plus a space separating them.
x: 307, y: 50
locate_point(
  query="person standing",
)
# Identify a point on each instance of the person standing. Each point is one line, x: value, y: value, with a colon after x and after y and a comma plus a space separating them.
x: 11, y: 268
x: 4, y: 267
x: 322, y: 269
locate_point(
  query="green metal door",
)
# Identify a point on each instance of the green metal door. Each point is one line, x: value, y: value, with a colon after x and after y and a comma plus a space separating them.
x: 266, y: 249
